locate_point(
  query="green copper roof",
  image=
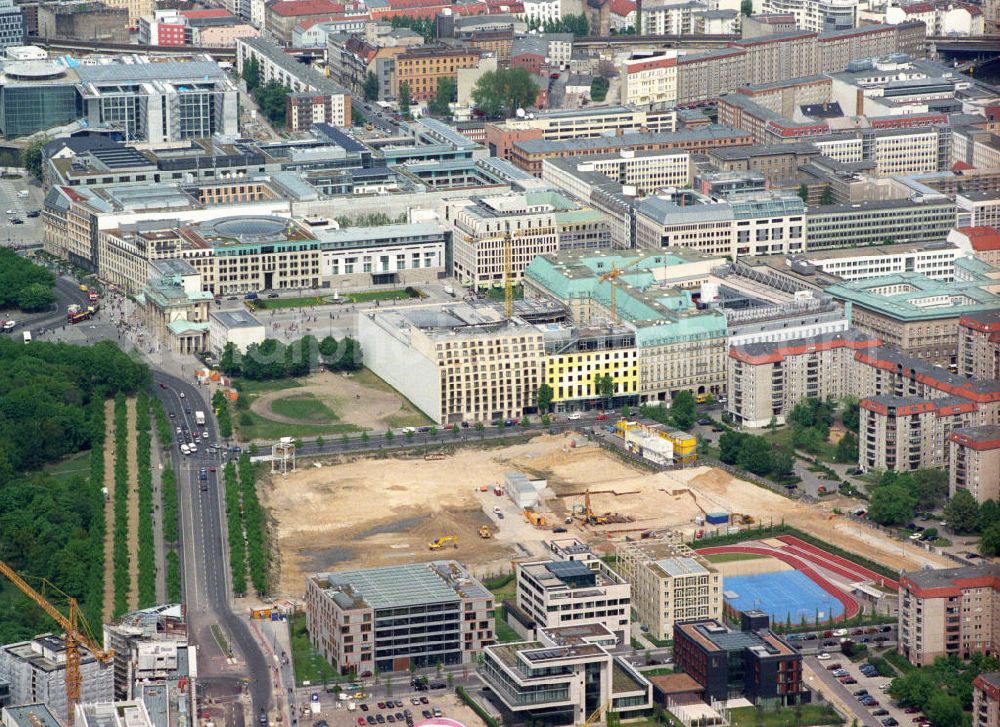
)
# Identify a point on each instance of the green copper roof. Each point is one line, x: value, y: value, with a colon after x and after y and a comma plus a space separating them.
x: 912, y: 296
x: 659, y: 314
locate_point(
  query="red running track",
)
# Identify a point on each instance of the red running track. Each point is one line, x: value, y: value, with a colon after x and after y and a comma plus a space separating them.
x: 826, y: 560
x: 851, y: 607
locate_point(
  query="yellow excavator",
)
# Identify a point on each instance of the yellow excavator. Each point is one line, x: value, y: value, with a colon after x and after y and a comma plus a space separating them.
x: 484, y: 532
x: 441, y: 542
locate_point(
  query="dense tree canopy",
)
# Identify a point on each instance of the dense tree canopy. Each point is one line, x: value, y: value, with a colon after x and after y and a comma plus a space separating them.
x: 504, y: 91
x: 272, y: 359
x: 682, y: 409
x: 270, y: 97
x: 24, y: 284
x: 891, y: 504
x: 51, y: 405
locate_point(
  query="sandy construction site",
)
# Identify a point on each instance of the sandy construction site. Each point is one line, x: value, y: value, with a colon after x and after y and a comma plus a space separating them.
x: 370, y: 511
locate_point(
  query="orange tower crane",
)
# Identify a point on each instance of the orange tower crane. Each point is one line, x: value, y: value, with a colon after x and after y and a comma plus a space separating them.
x: 75, y: 637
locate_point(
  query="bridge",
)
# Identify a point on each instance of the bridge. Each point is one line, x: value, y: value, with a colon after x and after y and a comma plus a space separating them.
x: 980, y: 46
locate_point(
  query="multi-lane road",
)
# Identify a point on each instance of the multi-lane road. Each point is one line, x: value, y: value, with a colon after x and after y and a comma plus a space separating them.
x: 206, y: 559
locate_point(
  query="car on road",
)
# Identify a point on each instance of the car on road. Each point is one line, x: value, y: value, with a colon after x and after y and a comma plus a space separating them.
x: 363, y: 706
x: 414, y: 700
x: 911, y: 710
x: 824, y: 656
x: 424, y: 700
x: 272, y: 296
x: 389, y: 718
x: 33, y: 213
x: 575, y: 416
x: 437, y: 712
x: 381, y: 705
x: 602, y: 417
x: 426, y: 713
x: 880, y: 712
x: 848, y: 680
x: 16, y: 221
x: 834, y: 666
x: 890, y: 722
x: 370, y: 720
x: 361, y: 721
x: 704, y: 421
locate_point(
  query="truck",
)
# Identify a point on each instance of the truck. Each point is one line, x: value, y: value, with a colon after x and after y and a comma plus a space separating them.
x: 199, y: 418
x: 27, y: 336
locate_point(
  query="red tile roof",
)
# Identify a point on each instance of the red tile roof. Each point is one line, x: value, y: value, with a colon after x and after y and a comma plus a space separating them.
x: 961, y: 166
x: 297, y: 8
x: 982, y: 238
x: 622, y: 7
x: 917, y: 8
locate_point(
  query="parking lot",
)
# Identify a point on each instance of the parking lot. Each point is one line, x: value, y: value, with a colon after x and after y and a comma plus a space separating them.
x: 13, y: 206
x: 395, y: 710
x: 844, y: 679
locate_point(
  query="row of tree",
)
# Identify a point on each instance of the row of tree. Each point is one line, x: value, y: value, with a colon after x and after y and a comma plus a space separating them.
x: 121, y: 550
x: 23, y: 284
x: 272, y: 359
x: 173, y: 577
x: 144, y: 472
x: 575, y: 24
x: 237, y: 548
x: 220, y: 405
x: 255, y: 527
x: 270, y: 96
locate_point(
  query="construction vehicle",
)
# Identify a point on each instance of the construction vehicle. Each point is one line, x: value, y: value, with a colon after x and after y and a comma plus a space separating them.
x: 534, y: 518
x: 484, y: 532
x: 77, y: 635
x: 441, y: 542
x: 589, y: 517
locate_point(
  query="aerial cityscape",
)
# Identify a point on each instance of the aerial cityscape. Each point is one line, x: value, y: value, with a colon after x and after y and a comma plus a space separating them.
x: 500, y: 363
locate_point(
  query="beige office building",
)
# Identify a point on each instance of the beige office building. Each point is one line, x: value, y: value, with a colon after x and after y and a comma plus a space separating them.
x: 948, y: 612
x: 670, y: 584
x: 974, y: 463
x: 650, y: 79
x: 456, y: 363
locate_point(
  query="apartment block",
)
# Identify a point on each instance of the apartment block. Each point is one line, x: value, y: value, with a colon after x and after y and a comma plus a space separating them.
x: 457, y: 363
x: 905, y: 433
x: 756, y: 664
x: 979, y: 344
x: 536, y: 223
x: 974, y: 462
x: 670, y: 583
x: 420, y: 68
x: 762, y: 224
x: 948, y: 612
x: 563, y: 677
x: 276, y: 65
x: 389, y: 619
x: 816, y: 15
x: 703, y: 77
x: 578, y: 592
x: 779, y: 56
x: 576, y: 355
x: 982, y: 242
x: 767, y: 380
x: 36, y: 672
x: 986, y: 700
x: 650, y: 79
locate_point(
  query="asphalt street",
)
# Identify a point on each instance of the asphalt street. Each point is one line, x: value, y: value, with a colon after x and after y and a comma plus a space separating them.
x: 205, y: 550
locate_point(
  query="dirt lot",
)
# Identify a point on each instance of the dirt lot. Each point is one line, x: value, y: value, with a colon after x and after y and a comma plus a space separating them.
x: 360, y: 399
x: 371, y: 512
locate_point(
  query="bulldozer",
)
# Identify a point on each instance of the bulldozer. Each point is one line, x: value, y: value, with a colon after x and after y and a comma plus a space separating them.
x: 441, y: 542
x: 484, y: 532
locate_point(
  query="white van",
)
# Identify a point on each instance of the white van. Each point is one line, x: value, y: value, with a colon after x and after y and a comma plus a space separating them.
x: 185, y: 449
x: 22, y: 194
x: 574, y: 416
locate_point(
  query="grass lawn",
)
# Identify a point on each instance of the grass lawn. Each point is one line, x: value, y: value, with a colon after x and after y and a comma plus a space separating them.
x: 811, y: 714
x: 305, y: 407
x: 408, y: 416
x: 274, y: 303
x: 502, y: 587
x: 77, y: 464
x: 782, y: 436
x: 370, y: 295
x: 309, y: 665
x: 253, y: 426
x: 898, y: 660
x: 730, y: 557
x: 505, y: 634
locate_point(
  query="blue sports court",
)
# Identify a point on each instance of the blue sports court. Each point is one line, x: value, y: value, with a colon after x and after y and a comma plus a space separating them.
x: 785, y: 596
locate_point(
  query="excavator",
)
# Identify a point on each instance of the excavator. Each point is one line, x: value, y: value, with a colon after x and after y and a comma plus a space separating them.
x: 484, y: 532
x: 441, y: 542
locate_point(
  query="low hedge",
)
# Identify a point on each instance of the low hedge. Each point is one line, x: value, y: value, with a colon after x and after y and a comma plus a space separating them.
x: 475, y: 707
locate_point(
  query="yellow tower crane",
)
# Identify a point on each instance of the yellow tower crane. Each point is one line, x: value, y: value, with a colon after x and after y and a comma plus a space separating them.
x: 613, y: 276
x: 75, y: 637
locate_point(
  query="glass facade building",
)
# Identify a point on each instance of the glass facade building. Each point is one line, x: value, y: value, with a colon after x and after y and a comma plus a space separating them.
x: 25, y: 110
